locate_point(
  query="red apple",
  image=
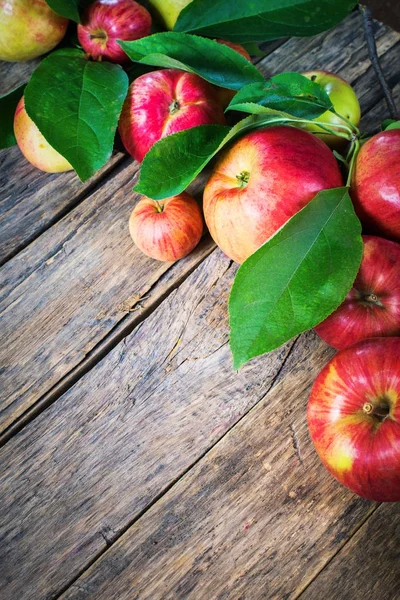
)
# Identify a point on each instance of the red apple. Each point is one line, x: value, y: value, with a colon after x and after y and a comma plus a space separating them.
x: 354, y: 418
x: 166, y: 229
x: 164, y: 102
x: 28, y: 29
x: 375, y: 188
x: 225, y: 95
x: 107, y: 21
x: 34, y: 146
x: 260, y: 182
x: 345, y: 103
x: 372, y: 307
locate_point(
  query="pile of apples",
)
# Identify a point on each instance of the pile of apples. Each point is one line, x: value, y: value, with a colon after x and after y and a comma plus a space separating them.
x: 260, y: 182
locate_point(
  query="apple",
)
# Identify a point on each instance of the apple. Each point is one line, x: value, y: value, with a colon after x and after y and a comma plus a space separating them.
x: 225, y: 95
x: 372, y: 307
x: 345, y: 103
x: 167, y: 11
x: 106, y: 21
x: 28, y: 29
x: 167, y: 229
x: 164, y: 102
x: 375, y: 187
x: 354, y: 418
x: 260, y: 182
x: 34, y: 146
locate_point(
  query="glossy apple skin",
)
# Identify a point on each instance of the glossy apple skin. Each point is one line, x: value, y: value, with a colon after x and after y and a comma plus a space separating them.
x: 285, y: 168
x: 355, y: 441
x: 168, y: 229
x: 372, y: 307
x: 107, y: 21
x: 34, y: 146
x: 167, y: 11
x: 344, y: 100
x: 28, y: 28
x: 164, y: 102
x: 375, y: 188
x: 225, y: 95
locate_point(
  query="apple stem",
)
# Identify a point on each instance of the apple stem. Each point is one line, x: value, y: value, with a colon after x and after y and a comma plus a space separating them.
x: 373, y: 55
x: 100, y: 35
x: 243, y: 178
x: 380, y: 411
x: 159, y: 206
x: 174, y: 107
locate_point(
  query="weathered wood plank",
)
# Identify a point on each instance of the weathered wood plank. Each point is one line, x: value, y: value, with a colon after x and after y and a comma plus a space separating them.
x: 13, y: 75
x: 65, y: 292
x: 77, y: 475
x: 257, y: 517
x: 38, y: 327
x: 368, y: 566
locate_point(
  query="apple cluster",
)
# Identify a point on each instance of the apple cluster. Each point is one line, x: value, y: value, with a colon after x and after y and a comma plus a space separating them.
x: 260, y: 182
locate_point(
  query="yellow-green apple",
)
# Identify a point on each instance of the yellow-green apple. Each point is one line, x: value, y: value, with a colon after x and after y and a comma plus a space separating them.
x: 28, y: 28
x: 167, y: 11
x: 106, y: 21
x: 225, y: 95
x: 345, y: 103
x: 34, y: 146
x: 372, y: 307
x: 164, y: 102
x: 260, y: 182
x: 375, y: 187
x: 354, y: 418
x: 167, y: 229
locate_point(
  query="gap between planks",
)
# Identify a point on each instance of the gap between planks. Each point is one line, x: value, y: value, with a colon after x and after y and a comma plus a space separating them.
x: 168, y: 487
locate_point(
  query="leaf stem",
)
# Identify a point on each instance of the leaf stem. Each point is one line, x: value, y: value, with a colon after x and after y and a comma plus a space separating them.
x: 349, y: 123
x: 373, y: 55
x: 355, y: 149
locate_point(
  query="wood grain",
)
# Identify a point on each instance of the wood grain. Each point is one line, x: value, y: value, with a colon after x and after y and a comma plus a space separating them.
x: 43, y: 327
x: 368, y: 566
x: 256, y: 518
x: 80, y: 472
x: 69, y: 289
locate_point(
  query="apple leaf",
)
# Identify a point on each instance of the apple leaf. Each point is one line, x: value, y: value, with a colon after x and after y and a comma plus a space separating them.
x: 214, y: 62
x: 297, y: 278
x: 259, y: 21
x: 66, y: 8
x: 176, y: 160
x: 389, y: 124
x: 289, y: 92
x: 76, y: 105
x: 8, y: 104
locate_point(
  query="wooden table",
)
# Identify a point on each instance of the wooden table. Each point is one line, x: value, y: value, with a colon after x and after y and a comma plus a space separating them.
x: 136, y: 464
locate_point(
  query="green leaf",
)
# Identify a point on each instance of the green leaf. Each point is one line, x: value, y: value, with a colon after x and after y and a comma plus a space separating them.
x: 66, y: 8
x: 8, y: 104
x: 389, y: 124
x: 176, y: 160
x: 214, y: 62
x: 259, y: 21
x: 297, y: 278
x: 291, y: 93
x: 253, y: 49
x: 76, y: 104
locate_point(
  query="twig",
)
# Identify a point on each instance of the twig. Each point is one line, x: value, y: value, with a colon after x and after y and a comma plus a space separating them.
x: 373, y: 55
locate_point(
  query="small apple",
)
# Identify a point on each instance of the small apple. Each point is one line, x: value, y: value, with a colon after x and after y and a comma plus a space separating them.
x: 372, y: 307
x: 107, y: 21
x: 375, y: 187
x: 260, y: 182
x: 225, y: 95
x: 164, y: 102
x: 34, y: 146
x: 167, y: 229
x: 167, y: 11
x: 345, y: 103
x: 354, y: 418
x: 28, y: 29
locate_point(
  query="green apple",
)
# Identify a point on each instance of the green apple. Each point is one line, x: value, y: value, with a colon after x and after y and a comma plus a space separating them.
x: 167, y: 11
x: 28, y: 28
x: 345, y: 103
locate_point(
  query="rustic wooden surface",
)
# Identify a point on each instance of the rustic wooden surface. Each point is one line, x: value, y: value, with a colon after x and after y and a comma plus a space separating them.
x: 144, y: 466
